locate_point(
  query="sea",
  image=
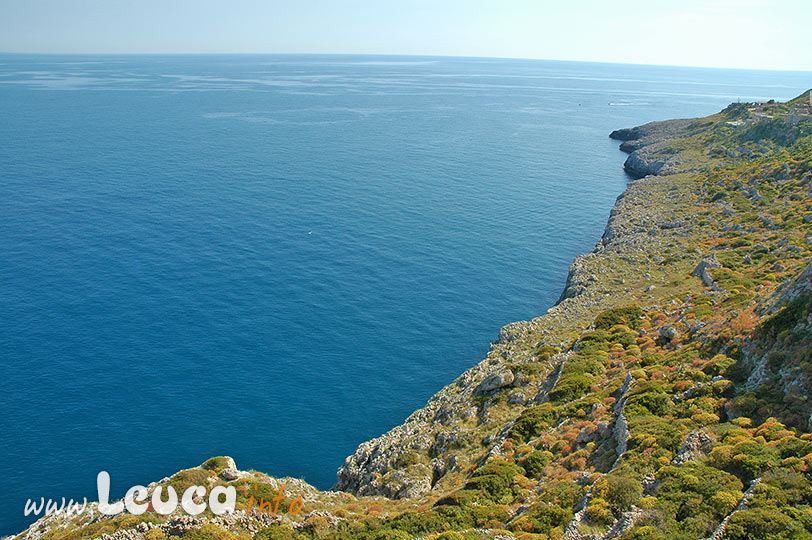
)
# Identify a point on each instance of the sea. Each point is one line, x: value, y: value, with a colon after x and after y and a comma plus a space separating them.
x: 278, y: 257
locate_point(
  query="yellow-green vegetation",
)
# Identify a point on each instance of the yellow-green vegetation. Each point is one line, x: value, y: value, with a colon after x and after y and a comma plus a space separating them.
x: 665, y: 397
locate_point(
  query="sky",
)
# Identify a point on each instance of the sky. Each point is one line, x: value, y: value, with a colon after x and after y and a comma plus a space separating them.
x: 761, y: 34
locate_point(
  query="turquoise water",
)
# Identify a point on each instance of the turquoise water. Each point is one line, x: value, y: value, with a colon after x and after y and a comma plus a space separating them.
x: 279, y: 257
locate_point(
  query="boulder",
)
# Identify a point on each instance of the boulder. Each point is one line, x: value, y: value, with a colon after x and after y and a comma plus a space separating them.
x: 701, y: 270
x: 669, y: 332
x: 500, y: 379
x: 704, y: 264
x: 229, y: 474
x: 517, y: 399
x: 696, y: 445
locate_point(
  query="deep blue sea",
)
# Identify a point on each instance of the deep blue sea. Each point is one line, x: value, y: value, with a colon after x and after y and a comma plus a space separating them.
x: 279, y: 257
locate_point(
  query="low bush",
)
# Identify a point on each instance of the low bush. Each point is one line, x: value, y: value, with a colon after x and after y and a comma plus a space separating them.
x: 534, y: 463
x: 629, y: 316
x: 533, y: 422
x: 619, y: 491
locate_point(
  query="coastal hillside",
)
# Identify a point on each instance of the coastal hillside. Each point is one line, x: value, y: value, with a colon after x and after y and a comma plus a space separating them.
x: 665, y: 396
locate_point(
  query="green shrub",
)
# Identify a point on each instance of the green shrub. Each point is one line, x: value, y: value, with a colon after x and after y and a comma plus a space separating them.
x: 534, y: 463
x: 794, y: 448
x: 595, y: 336
x: 724, y: 502
x: 578, y: 375
x: 450, y: 535
x: 599, y: 512
x: 627, y: 339
x: 752, y: 458
x: 182, y: 480
x: 781, y: 488
x: 279, y: 533
x: 648, y: 398
x: 718, y: 365
x: 542, y: 518
x: 463, y: 497
x: 646, y: 532
x: 764, y: 524
x: 666, y: 434
x: 571, y: 386
x: 629, y: 316
x: 216, y: 464
x: 620, y: 491
x: 495, y: 480
x: 156, y: 534
x: 547, y: 351
x: 686, y: 492
x: 533, y: 422
x: 208, y: 531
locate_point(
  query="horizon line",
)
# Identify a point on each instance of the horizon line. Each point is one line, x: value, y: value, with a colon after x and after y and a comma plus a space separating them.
x: 403, y: 55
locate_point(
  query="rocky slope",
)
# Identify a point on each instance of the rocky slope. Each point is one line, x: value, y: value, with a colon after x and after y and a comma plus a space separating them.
x: 664, y: 396
x: 648, y: 147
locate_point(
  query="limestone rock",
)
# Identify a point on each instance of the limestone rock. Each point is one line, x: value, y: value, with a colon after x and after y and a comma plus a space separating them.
x: 701, y: 270
x: 517, y: 399
x: 501, y: 379
x: 696, y: 445
x: 230, y: 474
x: 669, y: 332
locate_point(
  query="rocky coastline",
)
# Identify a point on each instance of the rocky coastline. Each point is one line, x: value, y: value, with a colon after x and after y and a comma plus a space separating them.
x: 678, y: 345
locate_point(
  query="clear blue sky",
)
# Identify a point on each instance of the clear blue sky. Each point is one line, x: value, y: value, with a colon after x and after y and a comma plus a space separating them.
x: 772, y: 34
